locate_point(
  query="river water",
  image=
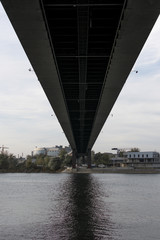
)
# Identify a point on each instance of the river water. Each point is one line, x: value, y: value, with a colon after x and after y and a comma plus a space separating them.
x: 79, y: 206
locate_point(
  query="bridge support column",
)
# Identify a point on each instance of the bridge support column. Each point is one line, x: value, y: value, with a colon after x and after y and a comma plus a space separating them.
x: 74, y: 158
x: 83, y: 159
x: 89, y: 158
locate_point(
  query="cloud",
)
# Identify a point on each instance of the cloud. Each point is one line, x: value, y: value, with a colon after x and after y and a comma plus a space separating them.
x: 150, y: 52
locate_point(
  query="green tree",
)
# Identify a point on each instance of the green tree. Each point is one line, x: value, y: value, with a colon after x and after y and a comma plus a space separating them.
x: 67, y: 161
x: 46, y: 161
x: 101, y: 158
x: 12, y: 161
x: 55, y: 164
x: 105, y: 158
x: 4, y: 163
x: 62, y: 154
x: 97, y: 158
x: 7, y: 161
x: 40, y: 159
x: 135, y: 150
x: 121, y: 153
x: 28, y: 163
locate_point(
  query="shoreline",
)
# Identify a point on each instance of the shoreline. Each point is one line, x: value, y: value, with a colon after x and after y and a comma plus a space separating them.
x: 114, y: 170
x: 80, y: 170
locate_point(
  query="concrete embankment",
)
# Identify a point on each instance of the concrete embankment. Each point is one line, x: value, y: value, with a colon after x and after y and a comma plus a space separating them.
x: 113, y: 170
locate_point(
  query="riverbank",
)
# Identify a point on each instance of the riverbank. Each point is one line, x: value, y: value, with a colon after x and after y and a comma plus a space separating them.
x: 30, y: 170
x: 113, y: 170
x: 86, y: 170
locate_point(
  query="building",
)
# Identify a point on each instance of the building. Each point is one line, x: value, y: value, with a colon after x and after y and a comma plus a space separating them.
x: 137, y: 159
x: 118, y: 161
x: 51, y: 151
x: 141, y: 159
x: 38, y: 151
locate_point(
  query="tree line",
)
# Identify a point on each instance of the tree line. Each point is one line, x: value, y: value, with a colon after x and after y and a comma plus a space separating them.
x: 8, y: 162
x: 47, y: 163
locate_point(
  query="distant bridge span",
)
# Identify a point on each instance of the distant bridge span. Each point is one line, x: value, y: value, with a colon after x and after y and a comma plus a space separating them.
x: 82, y: 52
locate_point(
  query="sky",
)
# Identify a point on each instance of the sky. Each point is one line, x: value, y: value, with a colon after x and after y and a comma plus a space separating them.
x: 28, y: 121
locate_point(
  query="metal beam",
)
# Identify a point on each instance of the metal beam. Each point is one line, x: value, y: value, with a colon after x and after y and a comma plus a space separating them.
x: 138, y: 20
x: 84, y: 5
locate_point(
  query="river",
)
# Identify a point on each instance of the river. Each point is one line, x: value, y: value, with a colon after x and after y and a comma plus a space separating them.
x: 79, y: 206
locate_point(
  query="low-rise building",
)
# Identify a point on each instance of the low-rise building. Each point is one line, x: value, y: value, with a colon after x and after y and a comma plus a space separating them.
x: 141, y: 159
x: 149, y: 159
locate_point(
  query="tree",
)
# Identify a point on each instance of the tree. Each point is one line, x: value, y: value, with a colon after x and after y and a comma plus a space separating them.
x: 68, y: 161
x: 39, y: 160
x: 28, y: 162
x: 121, y: 153
x: 12, y: 161
x: 4, y: 163
x: 101, y: 158
x: 62, y: 154
x: 55, y: 164
x: 135, y: 150
x: 98, y: 158
x: 46, y: 161
x: 105, y: 158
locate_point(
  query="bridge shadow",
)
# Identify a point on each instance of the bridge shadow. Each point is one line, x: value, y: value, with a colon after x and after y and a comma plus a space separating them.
x: 85, y: 214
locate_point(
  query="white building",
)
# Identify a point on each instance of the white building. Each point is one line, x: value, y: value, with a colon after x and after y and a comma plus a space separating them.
x: 38, y: 151
x: 142, y: 157
x: 51, y: 151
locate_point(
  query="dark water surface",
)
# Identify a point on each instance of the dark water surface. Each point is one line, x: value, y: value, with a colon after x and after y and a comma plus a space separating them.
x: 79, y: 206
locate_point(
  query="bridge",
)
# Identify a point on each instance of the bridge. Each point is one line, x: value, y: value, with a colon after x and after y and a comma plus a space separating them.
x: 82, y: 52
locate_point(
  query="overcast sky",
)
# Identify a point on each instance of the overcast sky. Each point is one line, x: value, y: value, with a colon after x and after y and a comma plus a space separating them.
x: 27, y: 119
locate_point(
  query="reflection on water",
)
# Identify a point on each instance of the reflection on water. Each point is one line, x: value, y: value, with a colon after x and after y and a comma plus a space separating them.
x: 83, y: 209
x: 59, y: 207
x: 79, y: 206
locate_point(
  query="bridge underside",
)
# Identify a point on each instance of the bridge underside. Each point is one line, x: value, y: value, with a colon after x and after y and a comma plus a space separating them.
x: 82, y: 52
